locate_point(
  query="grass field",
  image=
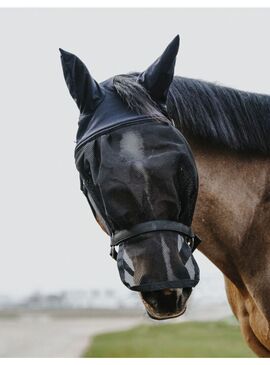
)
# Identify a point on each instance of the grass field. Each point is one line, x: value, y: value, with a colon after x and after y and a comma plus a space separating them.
x: 189, y: 339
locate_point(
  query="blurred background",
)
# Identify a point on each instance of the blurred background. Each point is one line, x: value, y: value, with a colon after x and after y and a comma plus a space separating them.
x: 58, y: 285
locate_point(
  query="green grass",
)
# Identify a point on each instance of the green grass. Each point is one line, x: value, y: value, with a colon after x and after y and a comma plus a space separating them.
x: 190, y: 339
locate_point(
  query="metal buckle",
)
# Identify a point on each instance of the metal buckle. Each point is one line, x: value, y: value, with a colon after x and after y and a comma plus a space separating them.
x: 113, y: 253
x: 195, y: 242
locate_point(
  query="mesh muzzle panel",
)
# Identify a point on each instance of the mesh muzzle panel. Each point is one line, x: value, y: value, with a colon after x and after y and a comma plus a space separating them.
x: 157, y: 260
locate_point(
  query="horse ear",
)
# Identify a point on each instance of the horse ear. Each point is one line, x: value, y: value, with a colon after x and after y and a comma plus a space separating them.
x: 158, y: 77
x: 83, y: 88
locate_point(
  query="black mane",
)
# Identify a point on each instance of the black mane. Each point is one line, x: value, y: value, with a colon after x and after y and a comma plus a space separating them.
x: 236, y: 119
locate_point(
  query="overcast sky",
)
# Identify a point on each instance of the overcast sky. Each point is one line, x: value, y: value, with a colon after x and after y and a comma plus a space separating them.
x: 49, y: 239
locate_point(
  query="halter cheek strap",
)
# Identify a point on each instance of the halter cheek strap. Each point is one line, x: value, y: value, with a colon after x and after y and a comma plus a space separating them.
x: 153, y: 226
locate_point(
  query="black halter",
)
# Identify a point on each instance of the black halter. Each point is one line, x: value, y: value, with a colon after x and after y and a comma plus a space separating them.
x: 153, y: 226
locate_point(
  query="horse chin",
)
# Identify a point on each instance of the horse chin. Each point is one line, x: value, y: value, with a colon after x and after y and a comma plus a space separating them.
x: 159, y: 317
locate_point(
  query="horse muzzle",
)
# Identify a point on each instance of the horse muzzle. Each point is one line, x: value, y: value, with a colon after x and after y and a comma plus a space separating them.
x: 167, y: 303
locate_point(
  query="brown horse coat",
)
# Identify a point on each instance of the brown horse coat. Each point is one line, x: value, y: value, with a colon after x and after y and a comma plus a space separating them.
x: 232, y: 215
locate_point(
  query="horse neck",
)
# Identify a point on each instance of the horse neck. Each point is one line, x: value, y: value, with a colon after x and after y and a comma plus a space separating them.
x: 231, y: 191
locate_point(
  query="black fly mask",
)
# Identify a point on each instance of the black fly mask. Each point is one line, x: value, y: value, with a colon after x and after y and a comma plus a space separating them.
x: 139, y: 176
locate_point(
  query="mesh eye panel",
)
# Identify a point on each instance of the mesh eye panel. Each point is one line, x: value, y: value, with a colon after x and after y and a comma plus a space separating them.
x: 134, y: 175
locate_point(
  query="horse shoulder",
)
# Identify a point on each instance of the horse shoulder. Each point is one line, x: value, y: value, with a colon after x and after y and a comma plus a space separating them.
x: 254, y: 326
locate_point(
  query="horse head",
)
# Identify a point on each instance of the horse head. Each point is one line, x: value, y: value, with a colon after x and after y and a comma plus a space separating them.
x: 140, y: 179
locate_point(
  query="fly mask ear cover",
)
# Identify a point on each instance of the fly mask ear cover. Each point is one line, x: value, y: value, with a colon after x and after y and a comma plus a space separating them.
x: 141, y: 182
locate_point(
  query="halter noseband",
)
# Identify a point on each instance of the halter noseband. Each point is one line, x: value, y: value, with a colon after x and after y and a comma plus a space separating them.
x: 153, y: 226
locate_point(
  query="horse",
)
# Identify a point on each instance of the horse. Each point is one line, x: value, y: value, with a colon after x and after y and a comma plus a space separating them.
x: 228, y: 132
